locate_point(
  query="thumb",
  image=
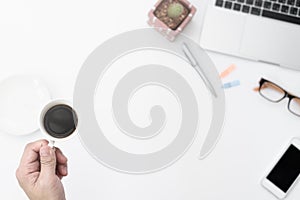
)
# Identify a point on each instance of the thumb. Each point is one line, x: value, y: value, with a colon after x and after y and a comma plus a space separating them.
x: 48, y: 161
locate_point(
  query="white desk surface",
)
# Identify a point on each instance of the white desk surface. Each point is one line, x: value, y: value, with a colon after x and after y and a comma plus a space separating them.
x: 53, y: 38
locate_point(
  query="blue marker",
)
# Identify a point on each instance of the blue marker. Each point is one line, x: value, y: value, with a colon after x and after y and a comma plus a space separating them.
x: 231, y: 84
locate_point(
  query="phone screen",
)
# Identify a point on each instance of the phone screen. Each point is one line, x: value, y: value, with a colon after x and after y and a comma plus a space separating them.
x: 286, y: 171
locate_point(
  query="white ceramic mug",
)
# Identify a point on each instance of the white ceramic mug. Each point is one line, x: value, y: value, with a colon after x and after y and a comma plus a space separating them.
x: 46, y: 108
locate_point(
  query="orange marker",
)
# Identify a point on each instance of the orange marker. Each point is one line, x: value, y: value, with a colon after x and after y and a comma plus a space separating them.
x: 230, y: 69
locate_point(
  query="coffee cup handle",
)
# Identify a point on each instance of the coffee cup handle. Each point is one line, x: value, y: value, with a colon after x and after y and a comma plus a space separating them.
x: 51, y: 143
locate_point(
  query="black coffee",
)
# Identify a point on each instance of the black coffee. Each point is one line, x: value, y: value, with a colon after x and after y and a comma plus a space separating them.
x: 60, y: 121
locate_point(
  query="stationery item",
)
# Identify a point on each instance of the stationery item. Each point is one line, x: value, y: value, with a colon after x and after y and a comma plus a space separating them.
x: 228, y: 71
x: 58, y: 121
x: 21, y: 100
x: 285, y: 173
x: 231, y: 84
x: 275, y: 94
x: 198, y: 69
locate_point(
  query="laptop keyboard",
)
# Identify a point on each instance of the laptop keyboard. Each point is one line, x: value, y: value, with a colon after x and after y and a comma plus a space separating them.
x: 283, y: 10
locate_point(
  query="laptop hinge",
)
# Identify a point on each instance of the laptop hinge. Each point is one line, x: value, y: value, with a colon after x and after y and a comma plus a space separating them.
x: 268, y: 62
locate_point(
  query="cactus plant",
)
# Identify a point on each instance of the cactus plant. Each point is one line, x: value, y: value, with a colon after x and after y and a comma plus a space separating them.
x: 175, y: 10
x: 170, y: 17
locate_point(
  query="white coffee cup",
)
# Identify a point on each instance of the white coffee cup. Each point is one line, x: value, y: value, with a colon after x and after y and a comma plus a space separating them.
x: 48, y: 108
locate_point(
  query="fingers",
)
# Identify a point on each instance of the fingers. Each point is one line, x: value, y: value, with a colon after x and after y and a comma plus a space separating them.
x: 61, y: 158
x: 61, y: 171
x: 31, y: 152
x: 47, y: 161
x: 30, y: 160
x: 42, y: 182
x: 62, y: 167
x: 39, y: 157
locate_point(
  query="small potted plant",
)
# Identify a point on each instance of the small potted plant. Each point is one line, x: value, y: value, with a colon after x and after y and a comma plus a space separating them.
x: 170, y: 17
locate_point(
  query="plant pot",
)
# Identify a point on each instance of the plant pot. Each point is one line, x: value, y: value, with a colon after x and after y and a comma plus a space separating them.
x: 168, y: 26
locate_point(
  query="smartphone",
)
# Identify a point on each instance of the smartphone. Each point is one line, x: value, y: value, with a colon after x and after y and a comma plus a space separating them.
x: 285, y: 173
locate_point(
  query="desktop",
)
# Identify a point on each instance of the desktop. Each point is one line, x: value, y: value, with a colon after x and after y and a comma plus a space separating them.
x: 254, y: 133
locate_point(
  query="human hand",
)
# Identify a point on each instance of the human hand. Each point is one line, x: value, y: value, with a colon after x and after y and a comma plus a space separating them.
x: 41, y: 170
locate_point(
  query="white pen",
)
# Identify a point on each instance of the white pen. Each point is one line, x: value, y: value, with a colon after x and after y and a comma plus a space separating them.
x: 196, y: 66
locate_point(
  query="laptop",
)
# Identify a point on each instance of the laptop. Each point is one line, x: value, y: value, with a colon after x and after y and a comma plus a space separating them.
x: 261, y: 30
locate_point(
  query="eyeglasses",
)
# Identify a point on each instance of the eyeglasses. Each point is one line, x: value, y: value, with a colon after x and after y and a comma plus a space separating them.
x: 275, y: 94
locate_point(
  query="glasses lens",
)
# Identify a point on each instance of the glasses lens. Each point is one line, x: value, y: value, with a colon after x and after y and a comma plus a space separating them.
x: 271, y: 92
x: 295, y: 106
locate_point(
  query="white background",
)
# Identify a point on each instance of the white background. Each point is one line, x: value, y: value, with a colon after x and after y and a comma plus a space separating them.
x: 52, y: 39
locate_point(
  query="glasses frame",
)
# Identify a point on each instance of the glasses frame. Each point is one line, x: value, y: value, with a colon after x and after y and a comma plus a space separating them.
x: 286, y: 95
